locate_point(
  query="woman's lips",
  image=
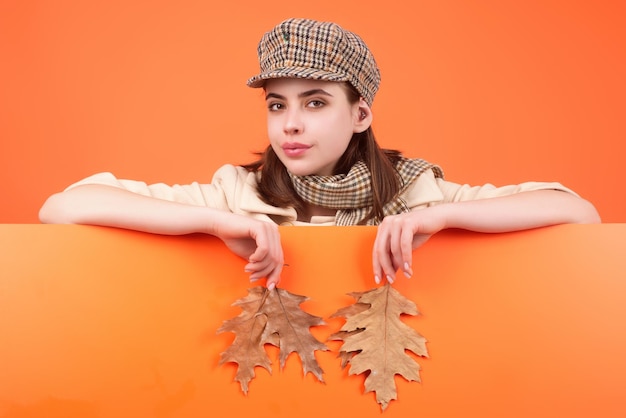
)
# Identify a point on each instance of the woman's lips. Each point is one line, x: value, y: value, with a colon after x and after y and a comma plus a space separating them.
x: 295, y: 149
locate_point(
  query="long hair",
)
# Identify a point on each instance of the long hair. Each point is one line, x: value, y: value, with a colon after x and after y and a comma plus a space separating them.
x: 275, y: 186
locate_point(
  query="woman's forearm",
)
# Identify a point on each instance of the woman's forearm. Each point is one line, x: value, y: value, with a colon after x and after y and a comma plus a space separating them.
x: 519, y: 211
x: 256, y: 241
x: 110, y: 206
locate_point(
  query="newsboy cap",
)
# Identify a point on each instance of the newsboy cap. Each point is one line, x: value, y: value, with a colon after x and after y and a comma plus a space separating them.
x: 305, y: 48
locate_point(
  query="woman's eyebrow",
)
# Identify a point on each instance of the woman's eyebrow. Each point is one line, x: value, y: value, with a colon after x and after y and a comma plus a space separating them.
x: 274, y: 96
x: 307, y: 93
x: 314, y: 92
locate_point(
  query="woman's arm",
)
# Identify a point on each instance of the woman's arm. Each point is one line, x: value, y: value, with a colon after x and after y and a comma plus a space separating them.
x: 398, y: 235
x: 256, y: 241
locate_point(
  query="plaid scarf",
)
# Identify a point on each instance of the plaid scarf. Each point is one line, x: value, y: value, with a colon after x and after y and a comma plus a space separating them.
x: 351, y: 194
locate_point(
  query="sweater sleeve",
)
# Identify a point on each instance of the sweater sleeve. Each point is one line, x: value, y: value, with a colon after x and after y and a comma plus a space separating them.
x: 232, y: 189
x: 216, y: 194
x: 429, y: 190
x: 453, y: 192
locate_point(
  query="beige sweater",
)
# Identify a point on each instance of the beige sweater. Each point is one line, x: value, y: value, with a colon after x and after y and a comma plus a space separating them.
x: 234, y: 189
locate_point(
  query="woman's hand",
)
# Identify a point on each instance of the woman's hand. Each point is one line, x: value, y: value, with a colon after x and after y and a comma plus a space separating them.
x: 256, y: 241
x: 398, y: 236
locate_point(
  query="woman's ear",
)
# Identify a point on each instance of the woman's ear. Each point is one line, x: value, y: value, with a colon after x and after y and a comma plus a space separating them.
x: 363, y: 117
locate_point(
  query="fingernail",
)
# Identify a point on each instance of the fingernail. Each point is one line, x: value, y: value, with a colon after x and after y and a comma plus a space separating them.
x: 377, y: 279
x: 389, y: 279
x: 271, y: 286
x: 407, y: 271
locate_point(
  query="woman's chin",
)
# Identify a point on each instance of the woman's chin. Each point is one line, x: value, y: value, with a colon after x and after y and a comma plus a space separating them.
x: 301, y: 169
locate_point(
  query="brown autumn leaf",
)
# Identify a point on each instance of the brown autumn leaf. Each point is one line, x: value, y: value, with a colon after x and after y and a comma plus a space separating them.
x: 271, y: 317
x: 375, y: 340
x: 347, y: 312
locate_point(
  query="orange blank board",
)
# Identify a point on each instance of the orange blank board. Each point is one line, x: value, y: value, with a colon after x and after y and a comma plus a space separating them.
x: 97, y: 322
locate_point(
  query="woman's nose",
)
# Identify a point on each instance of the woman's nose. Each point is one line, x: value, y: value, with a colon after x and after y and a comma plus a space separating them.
x: 293, y: 122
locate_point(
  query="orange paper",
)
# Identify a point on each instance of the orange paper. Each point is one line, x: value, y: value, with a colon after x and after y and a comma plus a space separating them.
x: 98, y: 322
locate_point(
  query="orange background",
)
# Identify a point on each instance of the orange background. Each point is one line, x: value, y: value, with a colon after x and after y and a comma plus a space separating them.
x: 106, y: 323
x: 493, y: 91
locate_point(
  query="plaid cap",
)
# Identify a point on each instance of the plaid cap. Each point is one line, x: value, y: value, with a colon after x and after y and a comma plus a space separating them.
x: 305, y: 48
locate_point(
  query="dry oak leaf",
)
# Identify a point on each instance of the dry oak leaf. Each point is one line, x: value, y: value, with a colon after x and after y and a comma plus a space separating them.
x: 271, y: 317
x: 375, y: 339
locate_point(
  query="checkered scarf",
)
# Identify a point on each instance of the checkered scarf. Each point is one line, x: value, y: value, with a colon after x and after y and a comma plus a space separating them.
x: 351, y: 194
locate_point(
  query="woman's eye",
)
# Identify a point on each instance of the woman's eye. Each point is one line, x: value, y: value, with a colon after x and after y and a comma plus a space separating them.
x: 274, y: 106
x: 316, y: 103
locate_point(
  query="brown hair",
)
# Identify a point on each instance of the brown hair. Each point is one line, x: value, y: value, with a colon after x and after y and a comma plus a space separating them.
x: 275, y: 186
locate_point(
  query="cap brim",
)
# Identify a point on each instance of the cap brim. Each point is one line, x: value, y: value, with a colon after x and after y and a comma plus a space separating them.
x: 295, y: 72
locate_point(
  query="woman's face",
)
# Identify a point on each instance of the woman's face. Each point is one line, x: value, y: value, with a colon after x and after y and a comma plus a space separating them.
x: 310, y: 123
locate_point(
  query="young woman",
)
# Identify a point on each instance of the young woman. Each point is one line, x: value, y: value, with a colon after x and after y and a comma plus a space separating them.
x: 323, y: 166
